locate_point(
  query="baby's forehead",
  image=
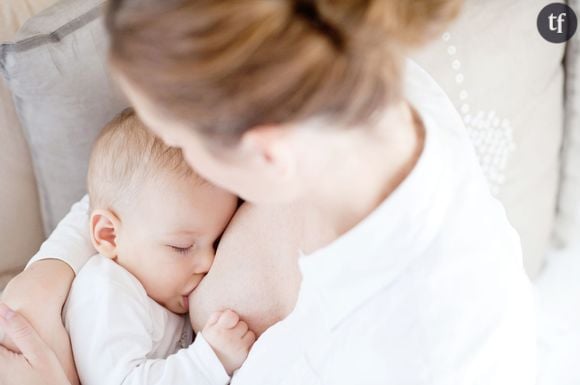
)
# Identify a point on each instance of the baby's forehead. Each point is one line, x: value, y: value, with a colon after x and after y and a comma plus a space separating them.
x: 171, y: 191
x: 168, y: 187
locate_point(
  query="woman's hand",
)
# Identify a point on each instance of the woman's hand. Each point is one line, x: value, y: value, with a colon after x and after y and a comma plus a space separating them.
x: 38, y: 294
x: 37, y: 365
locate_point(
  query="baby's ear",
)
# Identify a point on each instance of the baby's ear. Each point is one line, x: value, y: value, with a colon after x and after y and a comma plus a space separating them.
x: 104, y: 227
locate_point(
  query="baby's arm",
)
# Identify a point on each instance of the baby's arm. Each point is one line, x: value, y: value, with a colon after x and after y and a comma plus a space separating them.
x: 195, y: 365
x: 220, y: 349
x: 112, y: 334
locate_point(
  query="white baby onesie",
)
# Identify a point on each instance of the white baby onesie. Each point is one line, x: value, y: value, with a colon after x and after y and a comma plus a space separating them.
x: 119, y: 335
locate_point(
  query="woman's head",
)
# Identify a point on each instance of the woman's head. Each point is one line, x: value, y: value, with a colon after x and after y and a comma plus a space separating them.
x: 224, y: 69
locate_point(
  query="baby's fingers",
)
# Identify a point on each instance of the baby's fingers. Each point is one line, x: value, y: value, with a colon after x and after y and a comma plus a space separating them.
x: 228, y: 319
x: 213, y: 318
x: 249, y: 338
x: 240, y: 329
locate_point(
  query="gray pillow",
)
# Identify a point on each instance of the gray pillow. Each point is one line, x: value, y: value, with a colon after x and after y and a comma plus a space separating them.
x: 56, y: 70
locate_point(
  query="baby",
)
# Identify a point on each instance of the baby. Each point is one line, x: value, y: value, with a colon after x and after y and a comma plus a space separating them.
x: 155, y: 225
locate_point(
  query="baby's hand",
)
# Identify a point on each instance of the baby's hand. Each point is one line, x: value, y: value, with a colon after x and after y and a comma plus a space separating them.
x: 230, y: 338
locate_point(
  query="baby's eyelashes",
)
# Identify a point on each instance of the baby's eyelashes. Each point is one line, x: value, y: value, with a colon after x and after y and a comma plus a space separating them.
x: 182, y: 250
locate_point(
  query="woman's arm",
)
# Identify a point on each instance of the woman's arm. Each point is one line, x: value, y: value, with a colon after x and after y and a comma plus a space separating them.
x: 70, y: 242
x: 39, y: 292
x: 37, y: 365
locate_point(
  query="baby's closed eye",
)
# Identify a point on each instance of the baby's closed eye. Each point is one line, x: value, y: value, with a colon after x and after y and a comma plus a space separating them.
x: 182, y: 249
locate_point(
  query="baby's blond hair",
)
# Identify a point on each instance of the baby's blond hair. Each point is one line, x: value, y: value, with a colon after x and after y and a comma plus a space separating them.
x: 125, y: 155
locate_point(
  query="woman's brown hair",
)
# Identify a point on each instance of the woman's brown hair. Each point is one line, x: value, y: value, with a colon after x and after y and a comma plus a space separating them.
x: 225, y: 66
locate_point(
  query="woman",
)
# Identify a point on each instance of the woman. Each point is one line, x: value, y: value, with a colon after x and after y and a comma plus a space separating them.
x: 369, y: 249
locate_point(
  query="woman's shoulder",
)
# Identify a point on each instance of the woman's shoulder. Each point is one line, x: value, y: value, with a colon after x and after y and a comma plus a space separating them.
x: 430, y: 100
x: 447, y: 143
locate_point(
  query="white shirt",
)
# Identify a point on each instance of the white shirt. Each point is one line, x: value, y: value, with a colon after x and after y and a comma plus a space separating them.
x: 119, y: 335
x: 429, y: 289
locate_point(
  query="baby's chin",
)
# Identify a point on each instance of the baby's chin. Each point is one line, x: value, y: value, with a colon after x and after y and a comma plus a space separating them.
x: 180, y: 311
x: 176, y: 306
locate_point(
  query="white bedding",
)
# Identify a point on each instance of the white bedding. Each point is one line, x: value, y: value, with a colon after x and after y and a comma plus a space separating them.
x: 557, y: 292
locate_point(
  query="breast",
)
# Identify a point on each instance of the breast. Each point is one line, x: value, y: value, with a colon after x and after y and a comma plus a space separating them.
x: 255, y: 271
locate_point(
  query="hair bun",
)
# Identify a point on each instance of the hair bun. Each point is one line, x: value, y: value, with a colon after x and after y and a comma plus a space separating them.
x: 367, y: 22
x: 308, y: 10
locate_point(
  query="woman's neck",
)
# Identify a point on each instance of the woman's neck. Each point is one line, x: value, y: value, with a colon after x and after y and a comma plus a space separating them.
x: 362, y: 169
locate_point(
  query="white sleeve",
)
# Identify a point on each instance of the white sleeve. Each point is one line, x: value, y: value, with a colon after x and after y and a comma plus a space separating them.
x: 196, y: 365
x: 111, y: 336
x: 70, y: 242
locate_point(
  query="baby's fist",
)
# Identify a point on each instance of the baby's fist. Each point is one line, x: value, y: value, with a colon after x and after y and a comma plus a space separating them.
x: 230, y: 338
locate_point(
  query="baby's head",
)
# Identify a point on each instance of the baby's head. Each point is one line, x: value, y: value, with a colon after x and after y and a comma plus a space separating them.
x: 151, y: 213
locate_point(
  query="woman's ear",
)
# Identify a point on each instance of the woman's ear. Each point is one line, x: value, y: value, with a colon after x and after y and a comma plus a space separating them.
x: 104, y: 227
x: 270, y: 144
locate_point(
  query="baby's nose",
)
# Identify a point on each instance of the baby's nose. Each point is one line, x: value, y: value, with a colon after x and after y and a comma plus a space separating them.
x: 205, y: 261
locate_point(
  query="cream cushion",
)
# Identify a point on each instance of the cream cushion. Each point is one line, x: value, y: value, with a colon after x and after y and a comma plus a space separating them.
x: 507, y: 83
x: 567, y: 231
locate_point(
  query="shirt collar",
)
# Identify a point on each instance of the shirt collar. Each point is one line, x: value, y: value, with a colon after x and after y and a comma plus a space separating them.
x: 373, y: 254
